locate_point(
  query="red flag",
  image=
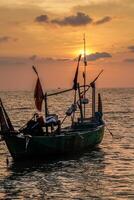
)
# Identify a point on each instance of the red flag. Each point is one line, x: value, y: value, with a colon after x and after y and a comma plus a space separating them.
x: 76, y: 75
x: 75, y: 79
x: 38, y: 95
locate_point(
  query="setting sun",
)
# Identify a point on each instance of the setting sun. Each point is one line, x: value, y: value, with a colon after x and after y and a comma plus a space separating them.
x: 81, y: 51
x: 67, y: 82
x: 88, y: 51
x: 51, y: 35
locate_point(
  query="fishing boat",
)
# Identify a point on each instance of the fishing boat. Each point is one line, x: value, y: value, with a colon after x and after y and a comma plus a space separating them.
x: 44, y: 137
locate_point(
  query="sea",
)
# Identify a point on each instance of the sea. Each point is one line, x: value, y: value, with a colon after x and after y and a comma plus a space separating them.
x: 105, y: 173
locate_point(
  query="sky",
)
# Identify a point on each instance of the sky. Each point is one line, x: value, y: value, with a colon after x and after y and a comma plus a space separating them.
x: 49, y: 35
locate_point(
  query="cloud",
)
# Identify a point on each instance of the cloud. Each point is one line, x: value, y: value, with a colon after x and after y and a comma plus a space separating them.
x: 6, y: 61
x: 103, y: 20
x: 129, y: 60
x: 98, y: 55
x: 10, y: 61
x: 74, y: 20
x: 42, y: 19
x: 5, y: 39
x: 63, y: 59
x: 20, y: 60
x: 47, y: 59
x: 112, y: 7
x: 33, y: 57
x: 79, y: 19
x: 131, y: 48
x: 51, y: 59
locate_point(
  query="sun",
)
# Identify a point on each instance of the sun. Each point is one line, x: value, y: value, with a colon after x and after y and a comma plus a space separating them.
x: 88, y: 51
x: 81, y: 51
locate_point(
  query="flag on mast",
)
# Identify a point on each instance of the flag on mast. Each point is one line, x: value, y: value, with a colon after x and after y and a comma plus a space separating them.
x: 38, y: 92
x: 38, y: 95
x: 76, y: 75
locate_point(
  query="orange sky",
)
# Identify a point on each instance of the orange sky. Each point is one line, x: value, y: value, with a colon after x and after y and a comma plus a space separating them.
x: 49, y: 34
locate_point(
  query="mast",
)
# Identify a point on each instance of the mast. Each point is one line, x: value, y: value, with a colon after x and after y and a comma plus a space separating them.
x: 74, y: 105
x: 80, y: 105
x: 100, y: 104
x: 46, y: 109
x: 93, y: 99
x: 92, y: 84
x: 84, y: 73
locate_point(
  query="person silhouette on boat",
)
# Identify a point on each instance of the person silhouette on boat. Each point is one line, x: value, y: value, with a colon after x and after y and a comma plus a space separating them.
x: 34, y: 126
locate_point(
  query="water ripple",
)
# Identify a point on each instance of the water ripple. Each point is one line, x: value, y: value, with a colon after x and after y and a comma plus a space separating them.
x: 107, y: 173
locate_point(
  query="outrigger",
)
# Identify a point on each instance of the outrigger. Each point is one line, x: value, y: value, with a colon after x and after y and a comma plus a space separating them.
x: 42, y: 138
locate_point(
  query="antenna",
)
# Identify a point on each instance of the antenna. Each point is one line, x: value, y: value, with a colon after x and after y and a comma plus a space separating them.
x: 85, y: 59
x: 84, y: 73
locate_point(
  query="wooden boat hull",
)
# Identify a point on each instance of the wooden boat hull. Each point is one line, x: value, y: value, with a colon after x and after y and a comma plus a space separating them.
x: 53, y: 145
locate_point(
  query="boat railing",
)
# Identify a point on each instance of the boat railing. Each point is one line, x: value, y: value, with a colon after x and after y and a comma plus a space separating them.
x: 64, y: 91
x: 81, y: 86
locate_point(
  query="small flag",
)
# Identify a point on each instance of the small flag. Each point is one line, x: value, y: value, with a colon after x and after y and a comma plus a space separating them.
x: 75, y: 79
x: 38, y: 95
x: 76, y: 75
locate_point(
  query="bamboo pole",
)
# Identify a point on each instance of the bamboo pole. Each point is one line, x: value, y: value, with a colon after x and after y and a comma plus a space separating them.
x: 99, y: 103
x: 81, y: 86
x: 93, y: 99
x: 46, y: 110
x: 80, y: 106
x: 85, y: 65
x: 74, y: 104
x: 64, y: 91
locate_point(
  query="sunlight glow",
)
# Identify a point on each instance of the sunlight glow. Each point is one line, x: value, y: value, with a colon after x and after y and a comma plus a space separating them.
x: 81, y: 51
x: 88, y: 51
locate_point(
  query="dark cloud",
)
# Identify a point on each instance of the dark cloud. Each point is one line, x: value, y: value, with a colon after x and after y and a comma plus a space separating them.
x: 129, y: 60
x: 51, y: 59
x: 6, y: 61
x: 103, y: 20
x: 131, y: 48
x: 62, y: 59
x: 74, y: 20
x: 4, y: 39
x: 98, y: 55
x: 79, y: 19
x: 47, y: 59
x: 42, y: 19
x: 10, y: 61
